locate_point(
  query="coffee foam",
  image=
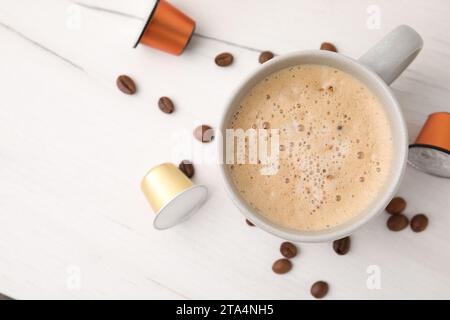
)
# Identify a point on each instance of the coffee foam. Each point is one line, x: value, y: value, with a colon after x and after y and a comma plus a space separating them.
x: 335, y: 147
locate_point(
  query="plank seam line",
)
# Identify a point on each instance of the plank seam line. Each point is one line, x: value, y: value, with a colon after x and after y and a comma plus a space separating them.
x: 41, y: 46
x: 127, y: 15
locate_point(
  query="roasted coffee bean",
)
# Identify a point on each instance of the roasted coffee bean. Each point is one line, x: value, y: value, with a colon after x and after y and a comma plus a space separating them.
x: 126, y: 84
x: 328, y: 46
x: 204, y: 133
x: 342, y: 246
x: 224, y: 59
x: 166, y: 105
x: 419, y: 222
x: 282, y: 266
x: 319, y: 289
x: 187, y: 168
x: 288, y: 250
x: 397, y: 222
x: 249, y: 223
x: 265, y: 56
x: 396, y: 206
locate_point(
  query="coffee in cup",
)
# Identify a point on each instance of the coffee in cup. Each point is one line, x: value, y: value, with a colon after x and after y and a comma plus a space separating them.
x: 335, y: 147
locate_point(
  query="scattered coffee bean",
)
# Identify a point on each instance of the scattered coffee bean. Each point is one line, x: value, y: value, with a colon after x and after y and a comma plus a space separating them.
x: 166, y: 105
x: 328, y: 46
x: 224, y: 59
x: 396, y: 206
x: 282, y: 266
x: 266, y: 125
x: 288, y: 250
x: 265, y: 56
x: 126, y: 84
x: 249, y: 223
x: 319, y: 289
x: 187, y: 168
x: 342, y: 246
x: 419, y: 222
x: 204, y: 133
x: 397, y: 222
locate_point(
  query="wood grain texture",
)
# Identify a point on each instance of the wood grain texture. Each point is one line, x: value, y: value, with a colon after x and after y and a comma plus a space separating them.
x: 73, y: 223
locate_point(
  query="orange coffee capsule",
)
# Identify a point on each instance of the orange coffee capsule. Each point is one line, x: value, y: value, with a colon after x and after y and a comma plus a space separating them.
x: 167, y: 29
x: 431, y: 151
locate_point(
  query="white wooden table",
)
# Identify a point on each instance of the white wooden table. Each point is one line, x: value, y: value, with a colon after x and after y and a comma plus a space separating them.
x: 73, y: 222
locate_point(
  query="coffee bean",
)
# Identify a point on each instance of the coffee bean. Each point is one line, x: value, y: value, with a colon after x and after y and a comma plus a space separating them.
x: 166, y: 105
x: 204, y: 133
x: 249, y: 223
x: 266, y: 125
x: 397, y: 222
x: 265, y: 56
x: 282, y: 266
x: 419, y: 222
x: 224, y: 59
x: 288, y: 250
x: 342, y: 246
x: 396, y: 206
x: 126, y: 84
x: 187, y: 168
x: 328, y: 46
x: 319, y: 289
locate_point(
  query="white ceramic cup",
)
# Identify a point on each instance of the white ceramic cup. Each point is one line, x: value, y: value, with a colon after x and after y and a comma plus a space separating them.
x: 377, y: 69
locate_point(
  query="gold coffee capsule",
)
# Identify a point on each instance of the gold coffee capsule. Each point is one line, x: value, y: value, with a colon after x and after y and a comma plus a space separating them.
x: 172, y: 195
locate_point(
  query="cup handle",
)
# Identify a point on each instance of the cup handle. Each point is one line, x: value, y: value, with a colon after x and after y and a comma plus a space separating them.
x: 394, y: 53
